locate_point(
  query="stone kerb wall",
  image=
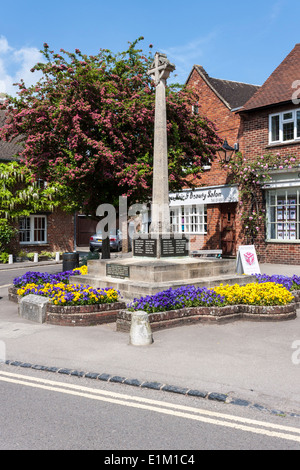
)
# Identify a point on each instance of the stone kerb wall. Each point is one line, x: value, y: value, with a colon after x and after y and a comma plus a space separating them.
x: 186, y: 316
x: 83, y: 315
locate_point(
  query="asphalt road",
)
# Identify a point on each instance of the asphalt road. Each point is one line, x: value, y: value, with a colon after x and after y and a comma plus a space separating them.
x: 45, y: 412
x: 7, y: 276
x: 244, y: 359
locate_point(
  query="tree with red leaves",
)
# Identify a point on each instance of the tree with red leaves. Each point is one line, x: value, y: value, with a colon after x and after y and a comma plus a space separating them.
x: 88, y: 123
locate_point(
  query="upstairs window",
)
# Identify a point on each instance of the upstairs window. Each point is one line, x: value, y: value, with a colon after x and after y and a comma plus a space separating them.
x: 284, y: 127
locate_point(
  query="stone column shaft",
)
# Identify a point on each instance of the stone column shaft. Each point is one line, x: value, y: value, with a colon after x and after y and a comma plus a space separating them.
x: 160, y: 191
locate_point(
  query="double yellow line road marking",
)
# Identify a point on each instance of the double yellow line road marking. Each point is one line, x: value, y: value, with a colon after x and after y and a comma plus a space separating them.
x: 176, y: 410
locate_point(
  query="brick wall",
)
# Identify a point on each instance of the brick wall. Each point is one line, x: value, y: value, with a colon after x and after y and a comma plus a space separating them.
x: 60, y: 235
x: 251, y: 132
x: 256, y: 135
x: 256, y: 143
x: 60, y: 231
x: 227, y: 124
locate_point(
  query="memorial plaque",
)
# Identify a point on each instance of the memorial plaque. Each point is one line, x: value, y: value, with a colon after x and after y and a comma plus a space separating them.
x: 145, y: 247
x: 117, y: 270
x: 174, y: 247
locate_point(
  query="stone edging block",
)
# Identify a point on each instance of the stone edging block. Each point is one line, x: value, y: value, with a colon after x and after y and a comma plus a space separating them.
x: 220, y: 397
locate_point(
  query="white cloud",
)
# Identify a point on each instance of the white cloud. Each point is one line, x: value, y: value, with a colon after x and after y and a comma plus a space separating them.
x: 15, y: 64
x: 4, y: 47
x: 186, y: 55
x: 276, y: 10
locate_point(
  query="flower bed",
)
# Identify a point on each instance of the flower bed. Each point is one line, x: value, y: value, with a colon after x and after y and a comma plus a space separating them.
x: 71, y: 294
x: 264, y: 294
x: 218, y: 315
x: 270, y: 298
x: 70, y: 304
x: 292, y: 283
x: 256, y: 301
x: 33, y: 277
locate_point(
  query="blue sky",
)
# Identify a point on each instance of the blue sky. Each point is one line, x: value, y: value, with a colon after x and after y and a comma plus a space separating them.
x: 233, y: 40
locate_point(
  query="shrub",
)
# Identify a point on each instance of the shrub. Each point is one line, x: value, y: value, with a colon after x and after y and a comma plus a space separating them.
x: 7, y: 232
x: 4, y: 257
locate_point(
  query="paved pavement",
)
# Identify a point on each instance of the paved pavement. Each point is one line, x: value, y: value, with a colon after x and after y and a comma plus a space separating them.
x: 256, y: 363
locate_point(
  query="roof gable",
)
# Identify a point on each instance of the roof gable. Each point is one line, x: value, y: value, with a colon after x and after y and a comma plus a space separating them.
x: 278, y: 87
x: 8, y: 150
x: 232, y: 94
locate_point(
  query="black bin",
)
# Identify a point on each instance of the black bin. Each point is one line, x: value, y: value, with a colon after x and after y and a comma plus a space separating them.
x: 70, y: 261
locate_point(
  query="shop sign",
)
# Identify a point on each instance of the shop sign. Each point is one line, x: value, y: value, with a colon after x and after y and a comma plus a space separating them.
x: 215, y: 195
x: 247, y: 262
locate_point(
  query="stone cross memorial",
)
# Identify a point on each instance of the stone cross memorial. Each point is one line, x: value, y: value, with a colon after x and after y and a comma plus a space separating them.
x: 160, y: 71
x: 161, y: 242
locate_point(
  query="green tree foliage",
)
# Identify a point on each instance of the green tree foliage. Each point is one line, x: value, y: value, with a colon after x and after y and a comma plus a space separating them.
x: 21, y: 194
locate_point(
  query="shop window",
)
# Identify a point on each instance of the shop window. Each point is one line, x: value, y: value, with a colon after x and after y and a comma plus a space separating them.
x: 33, y: 229
x: 284, y: 127
x: 283, y: 220
x: 189, y: 219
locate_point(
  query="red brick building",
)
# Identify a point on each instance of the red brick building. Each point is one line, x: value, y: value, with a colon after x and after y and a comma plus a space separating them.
x: 257, y: 121
x: 208, y: 214
x: 271, y: 125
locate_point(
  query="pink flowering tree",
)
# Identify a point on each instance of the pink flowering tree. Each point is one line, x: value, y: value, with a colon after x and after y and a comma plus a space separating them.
x: 89, y: 122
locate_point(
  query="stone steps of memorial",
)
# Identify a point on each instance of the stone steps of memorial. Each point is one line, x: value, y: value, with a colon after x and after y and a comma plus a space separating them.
x: 130, y: 289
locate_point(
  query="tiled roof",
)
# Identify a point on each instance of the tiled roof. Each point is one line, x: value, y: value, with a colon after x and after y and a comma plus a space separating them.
x: 8, y: 150
x: 278, y: 87
x: 233, y: 94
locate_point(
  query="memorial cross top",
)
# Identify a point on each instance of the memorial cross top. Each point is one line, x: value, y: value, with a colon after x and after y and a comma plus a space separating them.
x: 160, y: 68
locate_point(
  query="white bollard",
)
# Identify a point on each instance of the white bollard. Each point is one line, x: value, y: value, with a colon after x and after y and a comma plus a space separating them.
x: 57, y: 256
x: 140, y: 329
x: 10, y: 259
x: 35, y: 258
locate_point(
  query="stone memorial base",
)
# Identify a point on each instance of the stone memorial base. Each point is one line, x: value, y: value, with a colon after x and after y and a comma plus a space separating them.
x: 160, y: 246
x: 138, y: 277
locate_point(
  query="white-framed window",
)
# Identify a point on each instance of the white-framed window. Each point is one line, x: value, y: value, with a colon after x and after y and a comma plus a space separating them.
x: 33, y: 229
x: 189, y: 219
x: 195, y: 108
x: 284, y: 127
x: 283, y: 214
